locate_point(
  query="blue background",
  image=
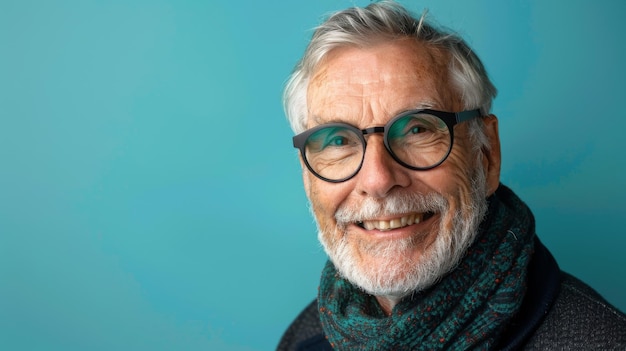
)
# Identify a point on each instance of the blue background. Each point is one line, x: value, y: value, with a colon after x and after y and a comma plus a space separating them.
x: 150, y: 198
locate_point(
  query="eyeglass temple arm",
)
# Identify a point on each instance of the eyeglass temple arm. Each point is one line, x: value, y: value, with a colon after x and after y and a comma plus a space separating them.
x: 467, y: 115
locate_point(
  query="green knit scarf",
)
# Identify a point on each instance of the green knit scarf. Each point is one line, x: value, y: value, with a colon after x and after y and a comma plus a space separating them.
x: 467, y: 309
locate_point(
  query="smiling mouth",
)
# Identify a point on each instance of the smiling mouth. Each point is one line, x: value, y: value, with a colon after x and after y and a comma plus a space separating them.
x: 395, y: 223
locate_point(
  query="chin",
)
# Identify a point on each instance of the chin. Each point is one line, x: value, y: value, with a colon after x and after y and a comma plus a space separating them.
x: 398, y: 265
x: 395, y: 267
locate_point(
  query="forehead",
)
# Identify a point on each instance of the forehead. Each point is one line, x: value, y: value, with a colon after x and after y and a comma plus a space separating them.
x: 371, y: 85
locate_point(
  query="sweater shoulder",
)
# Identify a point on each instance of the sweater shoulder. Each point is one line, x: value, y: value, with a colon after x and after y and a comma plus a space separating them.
x: 580, y: 318
x: 306, y: 326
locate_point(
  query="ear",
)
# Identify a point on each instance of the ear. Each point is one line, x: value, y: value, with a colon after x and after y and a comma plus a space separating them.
x: 491, y: 156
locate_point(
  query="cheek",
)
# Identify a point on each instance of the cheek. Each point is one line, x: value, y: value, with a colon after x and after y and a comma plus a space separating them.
x: 460, y: 166
x: 454, y: 175
x: 453, y: 179
x: 462, y: 200
x: 325, y: 198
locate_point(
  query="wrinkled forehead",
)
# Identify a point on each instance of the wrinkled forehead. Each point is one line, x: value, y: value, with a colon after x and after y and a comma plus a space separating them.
x: 387, y: 78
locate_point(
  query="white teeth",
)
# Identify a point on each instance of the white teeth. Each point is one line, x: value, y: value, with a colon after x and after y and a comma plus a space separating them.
x: 383, y: 225
x: 393, y: 223
x: 410, y: 220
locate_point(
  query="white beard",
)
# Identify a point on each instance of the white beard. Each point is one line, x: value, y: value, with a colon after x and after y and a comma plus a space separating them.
x: 401, y: 275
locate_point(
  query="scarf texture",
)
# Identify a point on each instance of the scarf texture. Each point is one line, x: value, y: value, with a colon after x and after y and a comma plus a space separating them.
x: 468, y: 309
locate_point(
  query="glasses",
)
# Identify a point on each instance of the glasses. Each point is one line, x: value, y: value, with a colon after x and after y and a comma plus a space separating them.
x: 417, y: 139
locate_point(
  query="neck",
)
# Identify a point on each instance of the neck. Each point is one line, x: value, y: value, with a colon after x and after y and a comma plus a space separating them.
x: 387, y: 303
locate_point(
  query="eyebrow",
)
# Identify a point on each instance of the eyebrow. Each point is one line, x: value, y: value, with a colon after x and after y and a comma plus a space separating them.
x: 318, y: 120
x: 424, y: 105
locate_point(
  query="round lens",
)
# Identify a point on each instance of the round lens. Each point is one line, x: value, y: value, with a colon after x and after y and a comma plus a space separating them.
x: 419, y: 140
x: 334, y: 152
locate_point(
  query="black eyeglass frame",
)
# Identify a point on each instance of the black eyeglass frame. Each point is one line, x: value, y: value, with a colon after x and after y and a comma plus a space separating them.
x: 449, y: 118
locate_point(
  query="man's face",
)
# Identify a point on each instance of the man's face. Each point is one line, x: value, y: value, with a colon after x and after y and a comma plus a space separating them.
x: 434, y: 214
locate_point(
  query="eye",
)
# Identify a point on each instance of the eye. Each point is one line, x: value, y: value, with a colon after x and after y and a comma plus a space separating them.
x: 332, y: 138
x: 408, y: 127
x: 416, y: 130
x: 338, y: 140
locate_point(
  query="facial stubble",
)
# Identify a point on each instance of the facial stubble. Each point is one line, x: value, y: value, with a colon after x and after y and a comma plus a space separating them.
x: 390, y: 267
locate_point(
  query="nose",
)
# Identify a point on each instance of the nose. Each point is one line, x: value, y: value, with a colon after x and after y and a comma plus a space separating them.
x: 379, y: 173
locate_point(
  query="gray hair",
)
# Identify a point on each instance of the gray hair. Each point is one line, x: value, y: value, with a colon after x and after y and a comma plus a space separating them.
x: 389, y: 20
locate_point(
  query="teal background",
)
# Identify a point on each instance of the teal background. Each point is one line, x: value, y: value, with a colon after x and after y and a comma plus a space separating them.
x: 150, y: 198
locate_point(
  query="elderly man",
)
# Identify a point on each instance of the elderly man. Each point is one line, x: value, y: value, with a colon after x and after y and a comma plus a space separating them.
x: 401, y: 164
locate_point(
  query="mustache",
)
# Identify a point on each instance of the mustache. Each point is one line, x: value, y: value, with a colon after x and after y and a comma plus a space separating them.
x: 396, y: 204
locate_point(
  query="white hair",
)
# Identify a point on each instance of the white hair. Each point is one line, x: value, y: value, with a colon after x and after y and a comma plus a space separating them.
x: 386, y: 20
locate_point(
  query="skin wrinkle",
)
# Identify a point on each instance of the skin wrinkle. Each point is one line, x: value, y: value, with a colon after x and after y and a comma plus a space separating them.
x: 434, y: 62
x: 460, y: 174
x: 366, y: 87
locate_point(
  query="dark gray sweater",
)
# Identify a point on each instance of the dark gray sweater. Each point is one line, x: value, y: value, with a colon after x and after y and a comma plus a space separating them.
x: 559, y: 312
